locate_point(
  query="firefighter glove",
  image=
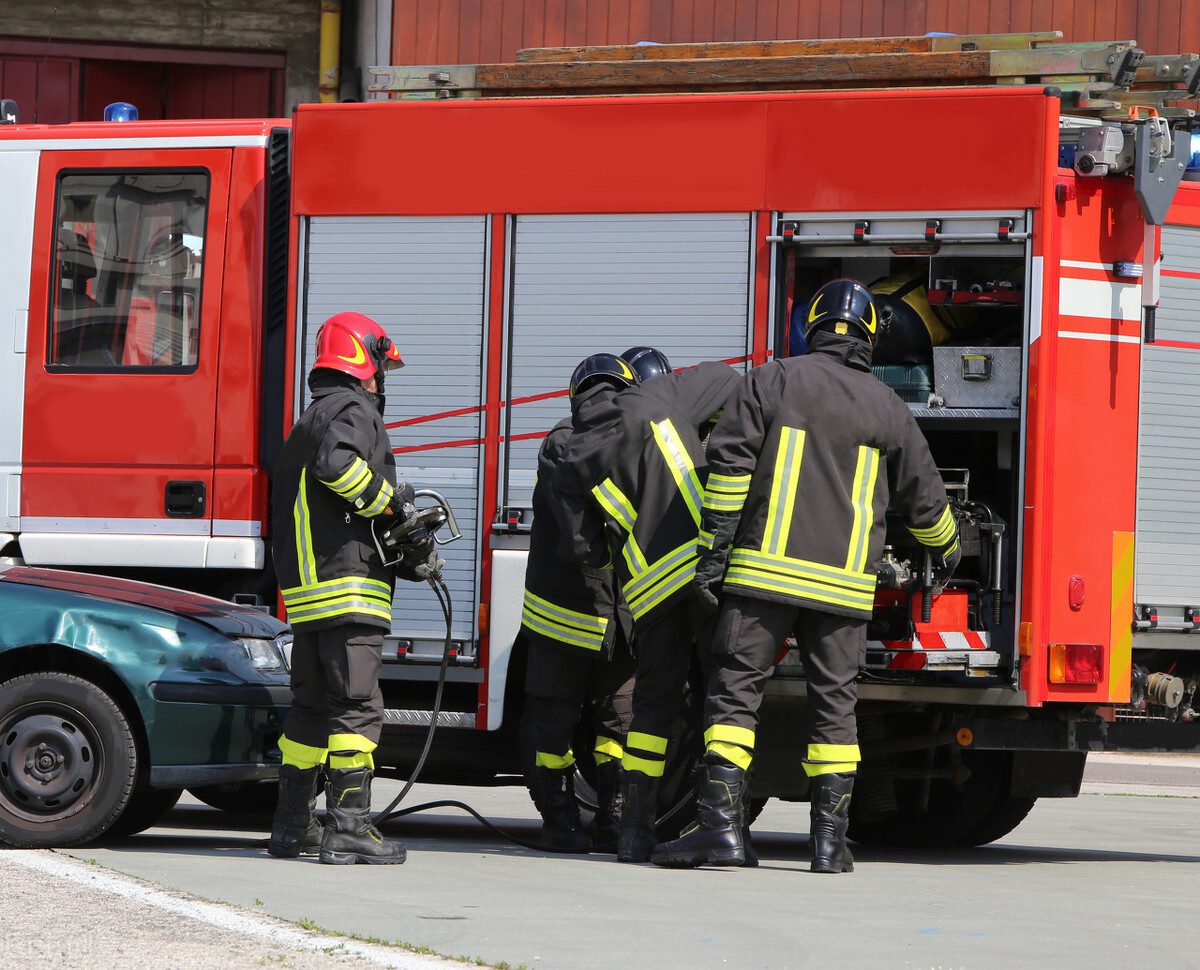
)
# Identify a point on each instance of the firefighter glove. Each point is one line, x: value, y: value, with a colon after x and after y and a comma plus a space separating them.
x: 945, y: 563
x: 420, y: 561
x: 716, y: 542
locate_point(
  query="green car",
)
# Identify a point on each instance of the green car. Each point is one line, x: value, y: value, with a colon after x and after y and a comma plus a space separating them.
x: 116, y: 695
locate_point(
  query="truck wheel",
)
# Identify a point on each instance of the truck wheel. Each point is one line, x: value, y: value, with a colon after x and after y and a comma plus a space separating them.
x: 67, y: 761
x: 241, y: 798
x: 146, y: 808
x: 979, y: 811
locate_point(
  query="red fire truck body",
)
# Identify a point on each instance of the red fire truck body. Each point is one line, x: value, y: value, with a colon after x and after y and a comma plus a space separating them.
x: 500, y: 241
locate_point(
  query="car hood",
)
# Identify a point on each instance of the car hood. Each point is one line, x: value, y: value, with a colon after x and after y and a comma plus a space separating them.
x: 226, y: 617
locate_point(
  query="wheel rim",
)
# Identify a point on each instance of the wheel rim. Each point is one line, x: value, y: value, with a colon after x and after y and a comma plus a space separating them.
x: 51, y: 762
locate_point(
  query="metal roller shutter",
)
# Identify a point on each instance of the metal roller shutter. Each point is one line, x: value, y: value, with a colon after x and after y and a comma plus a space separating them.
x: 1168, y: 512
x: 586, y: 283
x: 423, y: 280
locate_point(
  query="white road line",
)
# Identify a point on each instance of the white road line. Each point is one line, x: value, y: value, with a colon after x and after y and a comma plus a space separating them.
x: 226, y: 918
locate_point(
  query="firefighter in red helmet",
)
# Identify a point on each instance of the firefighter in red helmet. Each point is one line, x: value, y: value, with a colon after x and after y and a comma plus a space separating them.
x: 335, y: 476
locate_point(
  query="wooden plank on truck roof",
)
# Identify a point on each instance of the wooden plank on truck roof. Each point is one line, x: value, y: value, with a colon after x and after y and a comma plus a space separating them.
x: 786, y: 48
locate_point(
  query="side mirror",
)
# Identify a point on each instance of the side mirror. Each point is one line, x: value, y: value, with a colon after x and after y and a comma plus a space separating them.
x: 8, y: 111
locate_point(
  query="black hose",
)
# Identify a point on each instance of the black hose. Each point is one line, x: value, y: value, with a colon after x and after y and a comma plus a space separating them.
x: 391, y: 812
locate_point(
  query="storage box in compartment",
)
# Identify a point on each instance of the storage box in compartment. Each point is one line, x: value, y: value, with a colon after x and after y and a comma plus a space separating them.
x: 977, y: 377
x: 912, y: 382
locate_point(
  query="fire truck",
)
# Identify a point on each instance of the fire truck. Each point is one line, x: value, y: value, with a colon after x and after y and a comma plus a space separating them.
x: 165, y: 282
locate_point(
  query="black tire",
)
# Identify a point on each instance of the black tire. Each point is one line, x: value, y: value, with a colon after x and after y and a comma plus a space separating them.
x: 977, y: 812
x: 241, y: 798
x: 146, y: 808
x: 68, y: 761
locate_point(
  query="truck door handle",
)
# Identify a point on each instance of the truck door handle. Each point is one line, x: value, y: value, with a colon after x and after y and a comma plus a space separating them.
x: 184, y: 500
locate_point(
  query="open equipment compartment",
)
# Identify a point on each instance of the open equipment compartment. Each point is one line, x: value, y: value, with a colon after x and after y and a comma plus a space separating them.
x: 951, y: 293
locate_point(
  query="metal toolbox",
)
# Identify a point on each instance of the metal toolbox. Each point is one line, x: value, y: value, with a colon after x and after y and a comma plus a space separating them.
x: 977, y: 377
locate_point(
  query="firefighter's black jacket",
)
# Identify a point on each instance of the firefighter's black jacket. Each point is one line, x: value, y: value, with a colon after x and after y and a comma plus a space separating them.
x: 335, y: 473
x: 633, y: 481
x: 567, y: 606
x: 810, y: 452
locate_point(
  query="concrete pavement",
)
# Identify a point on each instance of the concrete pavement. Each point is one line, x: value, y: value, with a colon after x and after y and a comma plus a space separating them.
x: 1102, y: 880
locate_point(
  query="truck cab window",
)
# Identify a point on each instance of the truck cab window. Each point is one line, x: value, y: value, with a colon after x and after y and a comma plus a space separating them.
x: 128, y: 269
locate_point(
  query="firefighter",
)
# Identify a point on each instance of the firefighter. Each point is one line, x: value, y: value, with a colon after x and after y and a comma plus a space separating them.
x: 335, y: 475
x: 631, y: 488
x: 803, y: 465
x: 578, y: 629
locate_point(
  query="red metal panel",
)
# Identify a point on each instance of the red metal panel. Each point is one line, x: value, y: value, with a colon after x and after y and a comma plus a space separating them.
x: 239, y: 483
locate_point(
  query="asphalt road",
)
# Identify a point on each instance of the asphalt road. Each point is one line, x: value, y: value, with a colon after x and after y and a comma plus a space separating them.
x: 1102, y: 880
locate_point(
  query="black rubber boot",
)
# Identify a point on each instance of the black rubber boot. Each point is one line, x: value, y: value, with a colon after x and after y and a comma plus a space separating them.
x: 829, y: 814
x: 562, y: 829
x: 606, y: 827
x: 350, y: 837
x: 636, y: 841
x: 715, y: 838
x: 295, y: 830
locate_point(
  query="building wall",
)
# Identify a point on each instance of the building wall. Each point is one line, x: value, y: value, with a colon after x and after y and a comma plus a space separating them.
x: 288, y: 26
x: 491, y: 31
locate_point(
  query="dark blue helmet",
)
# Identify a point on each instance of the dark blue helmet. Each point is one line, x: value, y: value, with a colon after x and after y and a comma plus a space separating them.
x: 647, y: 362
x: 843, y: 305
x: 602, y: 368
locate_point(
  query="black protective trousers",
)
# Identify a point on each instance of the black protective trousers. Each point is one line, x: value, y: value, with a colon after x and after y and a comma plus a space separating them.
x: 558, y: 685
x: 748, y: 636
x: 335, y: 688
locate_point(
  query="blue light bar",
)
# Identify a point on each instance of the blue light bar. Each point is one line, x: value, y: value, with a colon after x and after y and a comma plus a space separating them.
x: 121, y: 111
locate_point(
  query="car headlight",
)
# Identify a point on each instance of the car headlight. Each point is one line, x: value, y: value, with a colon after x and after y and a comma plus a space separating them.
x: 264, y: 654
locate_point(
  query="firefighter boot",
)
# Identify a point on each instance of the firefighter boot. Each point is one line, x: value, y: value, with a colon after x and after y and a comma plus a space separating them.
x: 716, y: 837
x: 606, y: 826
x: 295, y: 830
x: 350, y: 837
x: 829, y: 814
x: 639, y: 794
x: 562, y: 830
x: 747, y: 845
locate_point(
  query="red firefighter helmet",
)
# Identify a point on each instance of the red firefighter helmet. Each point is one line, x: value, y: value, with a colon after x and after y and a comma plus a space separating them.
x: 355, y: 344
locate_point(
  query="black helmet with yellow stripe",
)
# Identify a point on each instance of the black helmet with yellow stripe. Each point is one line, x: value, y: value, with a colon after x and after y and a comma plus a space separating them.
x: 602, y: 368
x: 842, y: 306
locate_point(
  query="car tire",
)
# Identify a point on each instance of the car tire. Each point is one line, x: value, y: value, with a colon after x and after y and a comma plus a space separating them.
x: 242, y: 798
x: 146, y: 808
x: 68, y: 760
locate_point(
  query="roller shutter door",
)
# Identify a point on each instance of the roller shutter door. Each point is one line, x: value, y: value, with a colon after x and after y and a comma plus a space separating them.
x: 586, y: 283
x: 423, y: 280
x: 1168, y: 512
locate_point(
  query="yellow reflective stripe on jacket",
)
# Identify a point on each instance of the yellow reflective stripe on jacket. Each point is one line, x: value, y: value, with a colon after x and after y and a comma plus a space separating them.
x: 706, y: 539
x: 538, y: 621
x: 680, y: 463
x: 938, y: 534
x: 614, y: 502
x: 340, y: 606
x: 863, y: 500
x: 368, y: 588
x: 726, y: 493
x: 731, y: 733
x: 382, y: 498
x: 784, y: 482
x: 668, y: 575
x: 635, y: 559
x: 304, y: 546
x: 353, y: 481
x: 801, y: 579
x: 584, y: 621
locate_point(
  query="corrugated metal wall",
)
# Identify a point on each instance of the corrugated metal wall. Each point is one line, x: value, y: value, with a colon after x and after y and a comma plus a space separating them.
x: 490, y: 31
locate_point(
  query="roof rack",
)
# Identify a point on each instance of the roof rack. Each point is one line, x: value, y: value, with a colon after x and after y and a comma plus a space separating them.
x: 1100, y: 79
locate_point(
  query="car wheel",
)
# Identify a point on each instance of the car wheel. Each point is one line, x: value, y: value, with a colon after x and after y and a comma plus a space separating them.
x: 146, y: 808
x: 241, y: 798
x: 67, y: 761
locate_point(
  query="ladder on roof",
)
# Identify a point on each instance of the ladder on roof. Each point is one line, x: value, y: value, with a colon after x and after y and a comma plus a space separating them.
x: 1099, y: 79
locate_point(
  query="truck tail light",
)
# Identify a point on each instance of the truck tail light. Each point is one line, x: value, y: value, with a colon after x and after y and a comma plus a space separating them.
x: 1075, y: 663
